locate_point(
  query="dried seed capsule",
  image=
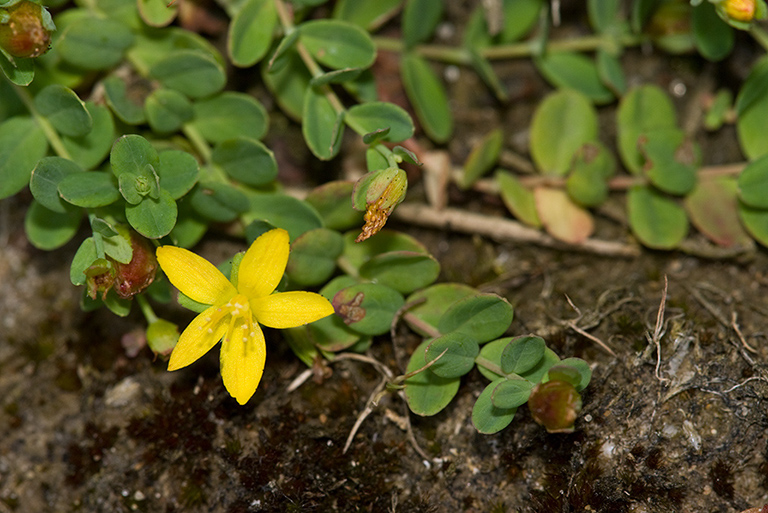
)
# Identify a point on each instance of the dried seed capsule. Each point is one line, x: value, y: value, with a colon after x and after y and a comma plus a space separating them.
x: 25, y: 29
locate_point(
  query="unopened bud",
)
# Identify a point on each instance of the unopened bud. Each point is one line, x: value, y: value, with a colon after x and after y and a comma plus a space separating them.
x: 378, y: 193
x: 138, y: 274
x: 739, y: 10
x: 555, y: 405
x: 25, y: 29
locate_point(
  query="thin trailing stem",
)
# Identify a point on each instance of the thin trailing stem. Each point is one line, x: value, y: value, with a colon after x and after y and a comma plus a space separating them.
x: 286, y: 20
x: 50, y: 133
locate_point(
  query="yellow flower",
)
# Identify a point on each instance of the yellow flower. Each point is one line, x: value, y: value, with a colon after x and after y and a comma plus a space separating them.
x: 237, y: 309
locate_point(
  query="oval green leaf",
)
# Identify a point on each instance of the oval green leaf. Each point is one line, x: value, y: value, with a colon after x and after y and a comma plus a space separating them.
x: 713, y: 209
x: 90, y: 150
x: 321, y: 125
x: 282, y: 211
x: 246, y: 160
x: 230, y: 115
x: 357, y: 253
x: 420, y: 19
x: 429, y: 304
x: 482, y: 158
x: 582, y: 369
x: 153, y: 218
x: 48, y: 230
x: 368, y: 308
x: 89, y: 189
x: 127, y: 105
x: 518, y: 198
x: 574, y: 71
x: 643, y: 110
x: 65, y: 111
x: 486, y: 417
x: 338, y: 44
x: 483, y: 317
x: 370, y: 117
x: 157, y: 13
x: 562, y: 124
x: 426, y: 392
x: 404, y: 271
x: 522, y: 354
x: 194, y: 73
x: 22, y: 144
x: 753, y: 183
x: 428, y: 97
x: 218, y: 201
x: 455, y: 354
x: 178, y: 172
x: 44, y: 183
x: 587, y: 183
x: 511, y: 392
x: 313, y: 257
x: 95, y: 43
x: 167, y: 110
x: 250, y: 32
x: 656, y: 220
x: 332, y: 201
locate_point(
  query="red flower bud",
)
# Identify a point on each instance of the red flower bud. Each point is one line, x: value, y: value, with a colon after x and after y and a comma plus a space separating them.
x: 138, y: 274
x: 25, y: 29
x: 555, y: 405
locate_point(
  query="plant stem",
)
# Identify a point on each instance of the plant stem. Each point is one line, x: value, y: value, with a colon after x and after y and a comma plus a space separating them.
x: 50, y: 133
x: 760, y: 35
x: 286, y: 20
x: 488, y: 364
x: 146, y: 309
x: 454, y: 55
x: 199, y: 143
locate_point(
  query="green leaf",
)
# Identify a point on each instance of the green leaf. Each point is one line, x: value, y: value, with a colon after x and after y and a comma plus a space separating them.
x: 125, y: 105
x: 65, y: 111
x: 713, y: 37
x: 357, y: 253
x: 313, y: 257
x: 520, y: 16
x: 331, y: 334
x: 369, y: 117
x: 332, y: 201
x: 339, y: 76
x: 89, y: 189
x: 95, y: 43
x: 511, y: 392
x: 587, y: 184
x: 486, y: 417
x: 178, y: 172
x: 713, y: 209
x: 192, y: 72
x: 582, y: 369
x: 420, y: 19
x: 246, y: 160
x: 167, y: 110
x: 321, y: 125
x: 753, y: 183
x: 157, y: 13
x: 230, y: 115
x: 153, y: 218
x: 426, y: 392
x: 367, y: 14
x: 83, y: 259
x: 428, y: 97
x: 133, y: 155
x: 22, y: 144
x: 48, y: 230
x: 283, y: 53
x: 157, y: 44
x: 482, y: 316
x: 428, y: 305
x: 485, y: 71
x: 250, y: 32
x: 755, y: 221
x: 404, y: 271
x: 611, y: 73
x: 522, y: 354
x: 518, y: 198
x: 563, y: 122
x: 603, y: 14
x: 218, y: 201
x: 282, y: 211
x: 671, y: 160
x: 288, y: 82
x: 44, y: 183
x: 337, y: 44
x: 482, y: 158
x: 643, y: 110
x: 458, y: 355
x: 90, y: 150
x: 656, y: 220
x: 575, y: 71
x: 21, y: 72
x: 368, y: 308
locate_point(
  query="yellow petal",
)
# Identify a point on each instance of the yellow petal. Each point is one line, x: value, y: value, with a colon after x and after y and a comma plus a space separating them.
x: 243, y: 353
x: 290, y: 309
x: 264, y: 263
x: 195, y: 276
x: 198, y: 338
